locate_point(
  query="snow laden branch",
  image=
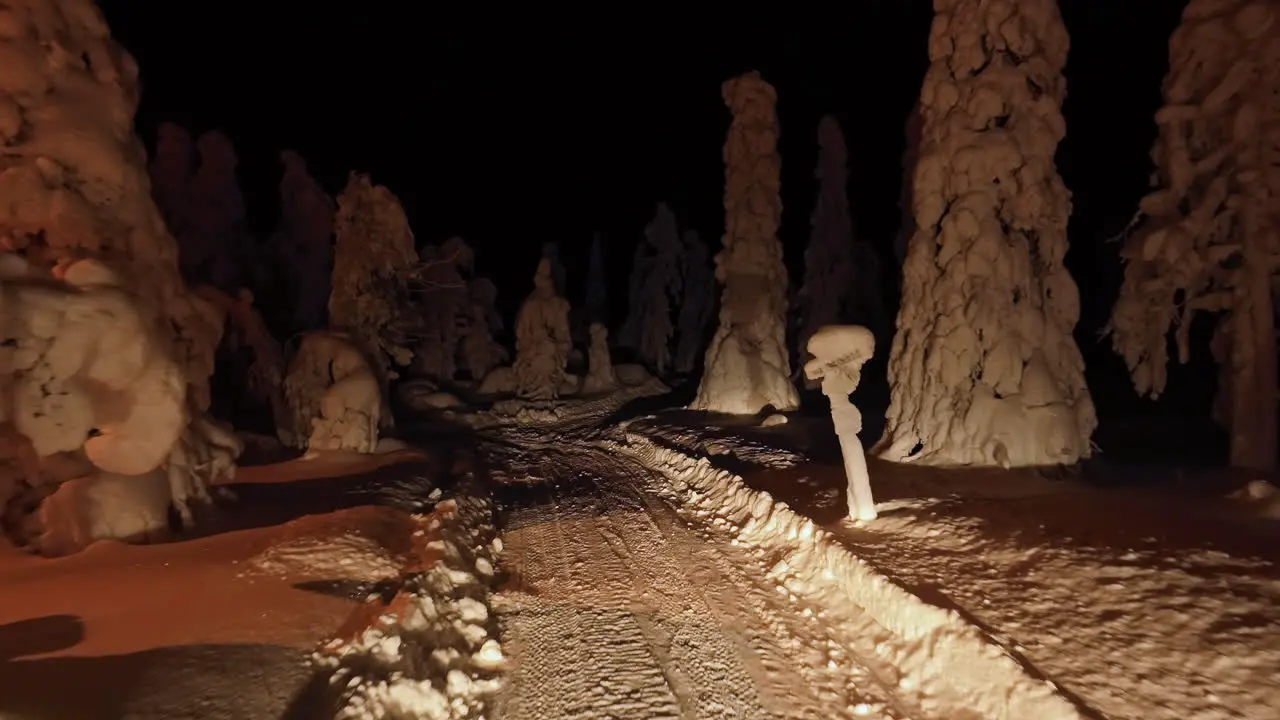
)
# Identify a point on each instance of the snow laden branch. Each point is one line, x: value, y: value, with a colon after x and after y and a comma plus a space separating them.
x: 984, y: 369
x: 1205, y: 240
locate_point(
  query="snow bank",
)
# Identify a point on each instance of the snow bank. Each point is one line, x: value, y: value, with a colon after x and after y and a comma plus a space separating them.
x: 938, y: 661
x: 434, y: 653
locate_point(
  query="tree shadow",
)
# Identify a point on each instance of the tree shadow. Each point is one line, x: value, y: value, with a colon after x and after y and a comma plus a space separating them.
x: 40, y: 635
x: 188, y: 682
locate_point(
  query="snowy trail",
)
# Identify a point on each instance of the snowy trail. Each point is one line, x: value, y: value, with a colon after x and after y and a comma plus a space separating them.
x: 616, y: 607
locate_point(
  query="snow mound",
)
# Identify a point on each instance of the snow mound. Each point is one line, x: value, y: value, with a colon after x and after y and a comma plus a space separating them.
x: 938, y: 662
x: 349, y: 557
x: 437, y: 655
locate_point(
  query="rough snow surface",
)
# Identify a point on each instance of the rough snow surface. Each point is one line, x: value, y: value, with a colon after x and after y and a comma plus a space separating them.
x: 619, y: 607
x: 932, y: 662
x: 436, y: 657
x: 1136, y: 633
x: 697, y: 442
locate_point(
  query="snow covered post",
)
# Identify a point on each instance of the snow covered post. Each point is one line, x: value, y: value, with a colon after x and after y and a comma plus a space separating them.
x: 839, y: 352
x: 747, y: 365
x: 542, y: 339
x: 984, y: 369
x: 1206, y: 239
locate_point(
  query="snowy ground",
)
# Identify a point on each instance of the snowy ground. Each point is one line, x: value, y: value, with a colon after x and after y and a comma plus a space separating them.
x: 628, y: 598
x: 1139, y: 603
x: 218, y: 626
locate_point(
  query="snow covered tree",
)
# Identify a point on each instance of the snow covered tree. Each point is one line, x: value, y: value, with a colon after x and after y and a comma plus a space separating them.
x: 650, y: 327
x: 478, y: 351
x: 1206, y: 239
x: 984, y: 369
x: 747, y: 365
x: 373, y: 251
x: 597, y: 285
x: 441, y: 298
x: 216, y: 247
x: 107, y: 353
x: 829, y: 276
x: 551, y: 251
x: 542, y: 339
x: 302, y: 246
x: 699, y: 304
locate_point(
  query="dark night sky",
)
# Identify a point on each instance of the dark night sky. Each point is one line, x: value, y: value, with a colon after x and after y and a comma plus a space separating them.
x: 511, y: 131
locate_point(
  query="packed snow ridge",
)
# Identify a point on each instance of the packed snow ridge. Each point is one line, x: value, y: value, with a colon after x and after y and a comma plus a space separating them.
x: 939, y: 663
x: 438, y: 658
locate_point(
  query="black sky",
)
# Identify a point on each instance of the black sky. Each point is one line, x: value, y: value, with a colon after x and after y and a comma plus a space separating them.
x: 512, y: 131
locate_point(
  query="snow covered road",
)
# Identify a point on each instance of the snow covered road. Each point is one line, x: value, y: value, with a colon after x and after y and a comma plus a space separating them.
x: 616, y: 607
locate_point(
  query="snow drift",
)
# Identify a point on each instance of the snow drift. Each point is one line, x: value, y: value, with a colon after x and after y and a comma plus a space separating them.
x: 435, y: 656
x: 942, y: 663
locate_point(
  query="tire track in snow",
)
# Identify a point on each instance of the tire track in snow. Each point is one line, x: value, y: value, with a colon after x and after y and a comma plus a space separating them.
x: 620, y: 609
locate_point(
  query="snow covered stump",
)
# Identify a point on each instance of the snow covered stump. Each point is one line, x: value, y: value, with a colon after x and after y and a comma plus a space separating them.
x: 839, y: 352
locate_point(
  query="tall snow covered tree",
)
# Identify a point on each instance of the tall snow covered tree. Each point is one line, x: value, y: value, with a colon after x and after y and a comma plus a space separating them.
x: 649, y: 327
x: 597, y: 285
x: 1206, y: 239
x: 829, y: 274
x: 699, y: 303
x: 747, y: 365
x: 984, y: 369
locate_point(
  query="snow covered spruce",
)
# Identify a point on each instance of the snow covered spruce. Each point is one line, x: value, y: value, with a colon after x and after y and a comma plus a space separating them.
x: 434, y: 653
x: 751, y: 340
x: 934, y: 659
x: 1204, y: 240
x: 984, y: 368
x: 106, y: 354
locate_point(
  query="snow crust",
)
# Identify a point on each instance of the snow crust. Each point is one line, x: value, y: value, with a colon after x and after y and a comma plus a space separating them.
x: 440, y: 658
x: 747, y: 364
x: 945, y: 666
x: 984, y: 369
